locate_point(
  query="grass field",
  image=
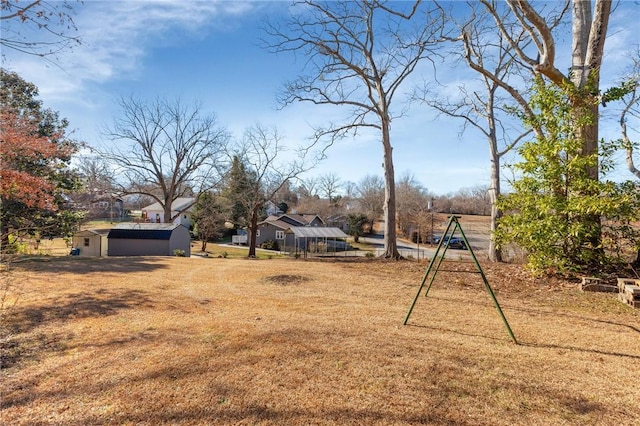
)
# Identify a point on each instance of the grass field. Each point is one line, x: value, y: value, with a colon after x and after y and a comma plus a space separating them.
x: 189, y: 341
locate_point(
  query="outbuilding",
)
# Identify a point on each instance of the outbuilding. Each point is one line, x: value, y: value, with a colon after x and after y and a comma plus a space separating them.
x: 149, y: 239
x: 89, y: 243
x: 316, y: 239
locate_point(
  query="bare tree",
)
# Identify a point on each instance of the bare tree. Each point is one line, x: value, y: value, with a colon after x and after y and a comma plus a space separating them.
x: 270, y: 167
x: 358, y: 55
x: 95, y: 174
x: 330, y: 185
x: 488, y: 111
x: 350, y: 189
x: 165, y: 150
x: 286, y: 195
x: 309, y: 187
x: 51, y: 20
x: 370, y: 192
x: 413, y: 201
x: 471, y: 200
x: 631, y: 109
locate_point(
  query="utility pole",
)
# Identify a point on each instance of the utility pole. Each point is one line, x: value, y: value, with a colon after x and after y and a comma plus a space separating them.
x: 430, y: 208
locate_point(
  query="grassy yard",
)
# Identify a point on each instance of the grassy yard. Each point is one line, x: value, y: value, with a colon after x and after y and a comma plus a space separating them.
x: 189, y: 341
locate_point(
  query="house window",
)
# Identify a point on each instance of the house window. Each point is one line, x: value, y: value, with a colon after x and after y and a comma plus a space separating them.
x: 279, y: 235
x: 86, y: 242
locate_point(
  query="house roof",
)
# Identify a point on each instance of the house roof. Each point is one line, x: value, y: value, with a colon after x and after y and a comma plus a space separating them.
x: 316, y: 232
x: 277, y: 223
x: 178, y: 205
x: 286, y: 220
x: 305, y: 218
x: 143, y: 231
x: 87, y: 233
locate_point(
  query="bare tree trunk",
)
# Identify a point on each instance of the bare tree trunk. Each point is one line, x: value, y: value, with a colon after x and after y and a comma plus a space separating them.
x: 629, y: 158
x: 495, y: 255
x: 253, y: 227
x: 167, y: 211
x: 588, y: 44
x: 626, y: 140
x: 390, y: 237
x: 4, y: 239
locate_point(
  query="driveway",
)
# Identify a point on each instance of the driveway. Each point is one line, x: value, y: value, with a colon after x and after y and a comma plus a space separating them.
x: 479, y: 242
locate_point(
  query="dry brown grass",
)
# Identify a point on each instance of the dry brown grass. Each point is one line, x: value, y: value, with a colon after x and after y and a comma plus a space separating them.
x: 234, y: 341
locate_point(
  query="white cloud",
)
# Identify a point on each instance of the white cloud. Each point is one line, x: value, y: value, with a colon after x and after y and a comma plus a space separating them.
x: 115, y: 38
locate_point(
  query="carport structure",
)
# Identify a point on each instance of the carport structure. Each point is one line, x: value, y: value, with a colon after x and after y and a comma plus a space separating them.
x: 317, y: 239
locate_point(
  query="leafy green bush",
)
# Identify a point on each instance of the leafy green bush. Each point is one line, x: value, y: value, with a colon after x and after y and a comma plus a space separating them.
x: 15, y: 246
x: 179, y: 253
x: 556, y: 208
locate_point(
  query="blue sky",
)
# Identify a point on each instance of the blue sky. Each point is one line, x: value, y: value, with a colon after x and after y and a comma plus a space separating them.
x: 208, y: 52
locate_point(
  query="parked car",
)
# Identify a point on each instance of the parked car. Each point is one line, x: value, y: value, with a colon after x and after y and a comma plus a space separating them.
x: 338, y: 246
x: 454, y: 243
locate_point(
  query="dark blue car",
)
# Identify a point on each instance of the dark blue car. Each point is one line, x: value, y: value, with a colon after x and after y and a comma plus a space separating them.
x: 454, y: 243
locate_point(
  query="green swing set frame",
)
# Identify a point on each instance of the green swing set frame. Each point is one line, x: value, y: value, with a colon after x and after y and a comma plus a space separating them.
x: 452, y: 226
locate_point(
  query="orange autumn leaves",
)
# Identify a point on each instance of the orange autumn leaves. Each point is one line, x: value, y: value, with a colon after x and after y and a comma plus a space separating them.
x: 21, y: 147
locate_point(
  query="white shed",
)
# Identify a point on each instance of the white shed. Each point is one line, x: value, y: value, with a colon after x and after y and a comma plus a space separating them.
x: 90, y: 243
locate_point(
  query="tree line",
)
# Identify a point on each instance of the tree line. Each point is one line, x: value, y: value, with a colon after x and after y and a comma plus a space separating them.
x: 361, y: 59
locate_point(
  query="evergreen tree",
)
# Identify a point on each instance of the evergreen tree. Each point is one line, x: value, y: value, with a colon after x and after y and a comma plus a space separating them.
x: 356, y: 225
x: 237, y: 184
x: 209, y: 217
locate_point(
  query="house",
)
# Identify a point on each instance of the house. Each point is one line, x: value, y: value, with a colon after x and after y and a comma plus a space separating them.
x: 148, y: 239
x: 109, y: 206
x: 89, y: 243
x: 339, y: 221
x: 301, y: 233
x: 274, y: 227
x: 183, y: 205
x: 98, y: 204
x: 272, y: 208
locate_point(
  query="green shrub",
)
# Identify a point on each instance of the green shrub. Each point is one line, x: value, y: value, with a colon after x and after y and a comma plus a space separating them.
x: 179, y: 253
x: 270, y: 245
x: 15, y: 246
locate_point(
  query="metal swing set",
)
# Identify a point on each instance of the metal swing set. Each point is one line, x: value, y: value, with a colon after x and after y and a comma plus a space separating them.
x: 434, y: 265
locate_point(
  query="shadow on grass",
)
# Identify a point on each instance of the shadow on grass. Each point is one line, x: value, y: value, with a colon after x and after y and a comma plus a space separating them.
x: 537, y: 312
x: 573, y: 316
x: 263, y: 414
x: 15, y: 333
x: 211, y: 398
x: 219, y: 400
x: 89, y: 265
